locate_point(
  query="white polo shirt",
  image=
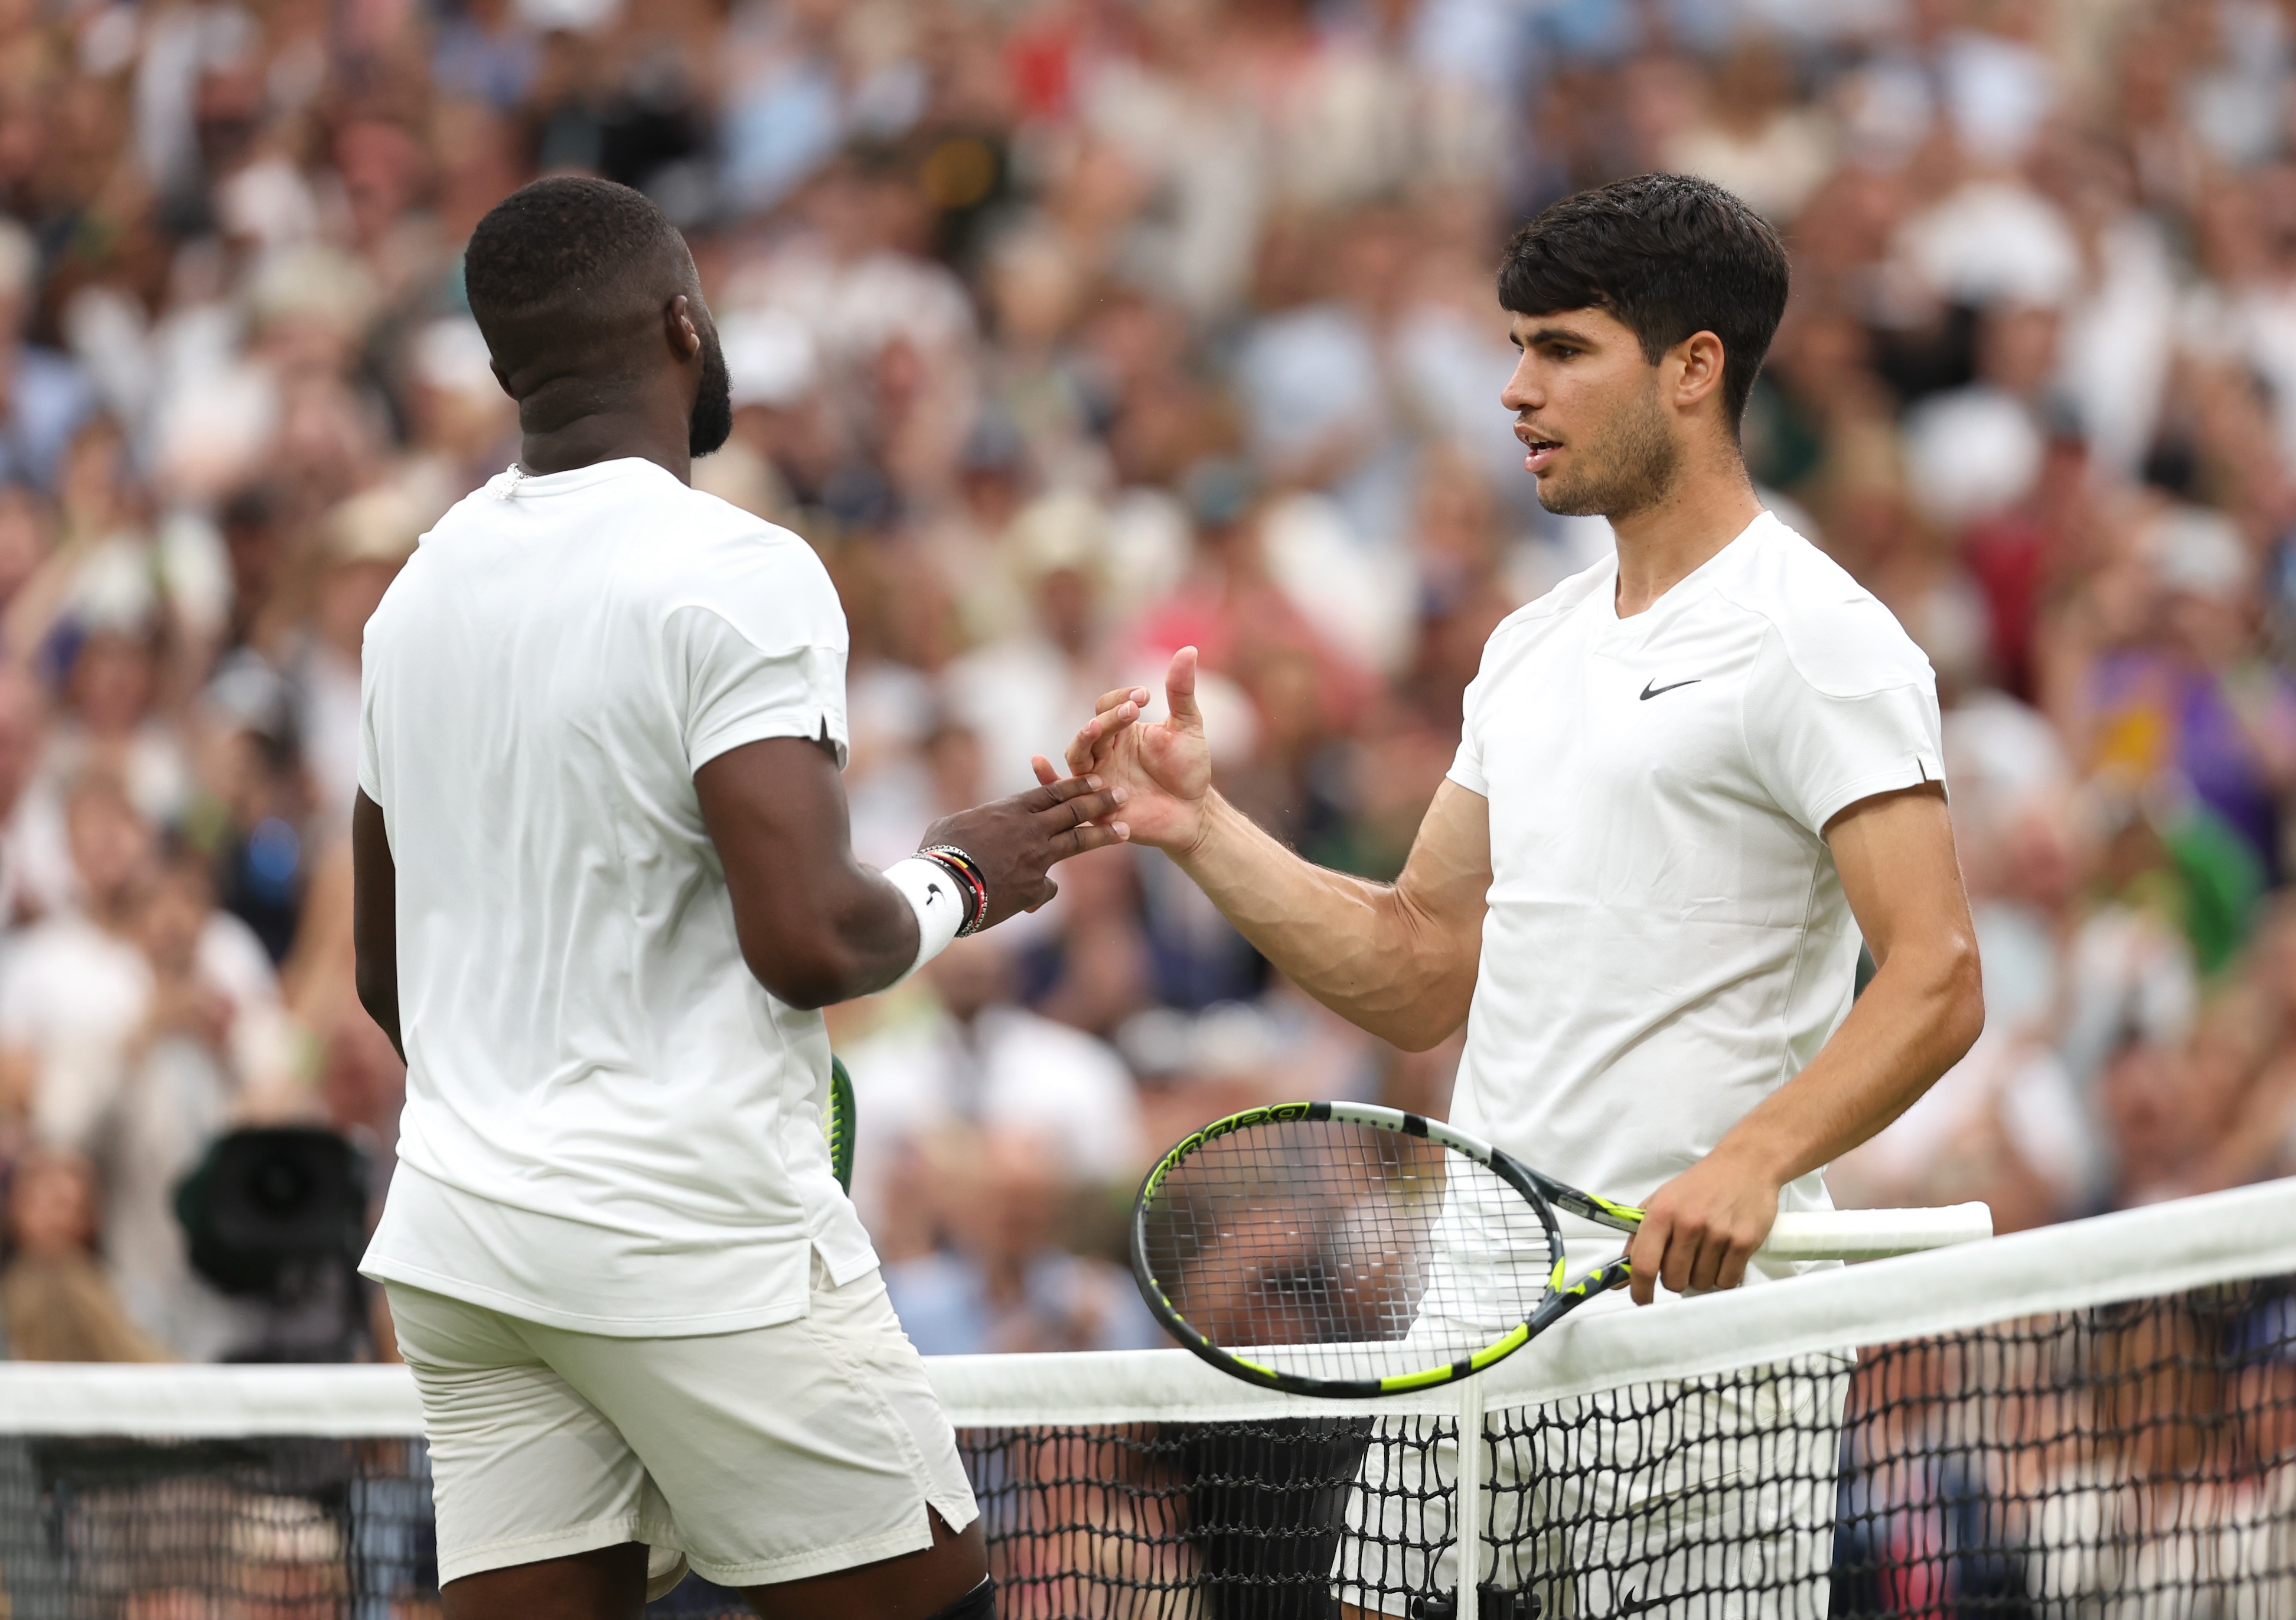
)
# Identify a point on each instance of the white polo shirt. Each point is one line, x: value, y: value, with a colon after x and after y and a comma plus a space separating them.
x: 1667, y: 943
x: 609, y: 1125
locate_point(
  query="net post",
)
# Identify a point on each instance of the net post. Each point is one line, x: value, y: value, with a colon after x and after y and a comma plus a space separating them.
x: 1468, y: 1517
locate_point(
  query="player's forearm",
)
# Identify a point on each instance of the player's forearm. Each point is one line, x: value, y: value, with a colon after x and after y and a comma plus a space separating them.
x: 1360, y: 948
x: 1918, y: 1016
x: 850, y: 935
x: 379, y: 995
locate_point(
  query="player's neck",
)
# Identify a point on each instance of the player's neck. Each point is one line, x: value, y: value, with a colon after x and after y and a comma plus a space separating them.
x: 609, y: 435
x: 1664, y: 543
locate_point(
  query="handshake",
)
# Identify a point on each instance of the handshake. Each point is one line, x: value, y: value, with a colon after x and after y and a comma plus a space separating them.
x: 1126, y: 782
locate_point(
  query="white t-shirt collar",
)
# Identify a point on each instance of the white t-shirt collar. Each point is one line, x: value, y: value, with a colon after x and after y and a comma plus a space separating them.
x: 513, y: 482
x: 1686, y: 589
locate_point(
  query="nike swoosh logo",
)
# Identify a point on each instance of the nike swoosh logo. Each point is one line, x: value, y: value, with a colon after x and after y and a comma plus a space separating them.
x: 932, y: 892
x: 1651, y: 691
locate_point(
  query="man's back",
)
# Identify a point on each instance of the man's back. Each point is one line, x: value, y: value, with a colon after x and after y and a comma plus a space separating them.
x: 596, y: 1082
x: 602, y: 869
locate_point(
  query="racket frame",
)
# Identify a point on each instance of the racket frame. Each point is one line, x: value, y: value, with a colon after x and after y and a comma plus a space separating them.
x: 1543, y: 1192
x: 841, y: 1124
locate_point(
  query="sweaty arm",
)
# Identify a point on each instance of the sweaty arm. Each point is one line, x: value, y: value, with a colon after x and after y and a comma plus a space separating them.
x: 1920, y: 1014
x: 1398, y: 961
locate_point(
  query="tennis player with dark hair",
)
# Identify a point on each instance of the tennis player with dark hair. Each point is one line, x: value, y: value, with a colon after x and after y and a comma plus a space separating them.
x: 604, y: 881
x: 1690, y: 778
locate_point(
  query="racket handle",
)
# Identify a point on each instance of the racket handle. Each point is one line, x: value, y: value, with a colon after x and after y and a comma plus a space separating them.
x: 1871, y: 1234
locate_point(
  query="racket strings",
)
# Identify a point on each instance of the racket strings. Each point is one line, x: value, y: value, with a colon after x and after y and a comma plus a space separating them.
x: 1335, y: 1250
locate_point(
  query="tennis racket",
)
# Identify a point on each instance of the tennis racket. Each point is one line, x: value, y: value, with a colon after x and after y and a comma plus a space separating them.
x: 840, y: 1124
x: 1345, y: 1250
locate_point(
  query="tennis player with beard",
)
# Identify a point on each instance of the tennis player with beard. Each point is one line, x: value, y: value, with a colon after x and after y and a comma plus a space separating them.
x: 1690, y: 778
x: 603, y: 883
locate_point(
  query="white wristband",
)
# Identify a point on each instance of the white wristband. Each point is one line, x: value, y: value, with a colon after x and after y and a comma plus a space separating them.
x: 933, y: 895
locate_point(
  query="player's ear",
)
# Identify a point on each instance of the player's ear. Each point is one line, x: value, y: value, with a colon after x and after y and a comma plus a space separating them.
x: 1700, y: 359
x: 677, y: 326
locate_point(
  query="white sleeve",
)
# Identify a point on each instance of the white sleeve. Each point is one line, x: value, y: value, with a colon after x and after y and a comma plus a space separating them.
x: 1467, y: 764
x: 1842, y: 711
x: 765, y: 658
x: 369, y: 758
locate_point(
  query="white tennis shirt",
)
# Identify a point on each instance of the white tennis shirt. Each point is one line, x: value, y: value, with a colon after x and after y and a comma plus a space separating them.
x: 1667, y: 943
x: 611, y: 1126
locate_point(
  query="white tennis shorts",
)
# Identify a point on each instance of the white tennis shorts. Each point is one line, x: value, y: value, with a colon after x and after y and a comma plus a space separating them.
x: 756, y: 1456
x: 1706, y: 1500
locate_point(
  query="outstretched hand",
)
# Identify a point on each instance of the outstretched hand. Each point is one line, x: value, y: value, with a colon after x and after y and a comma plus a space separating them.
x: 1015, y: 842
x: 1164, y: 771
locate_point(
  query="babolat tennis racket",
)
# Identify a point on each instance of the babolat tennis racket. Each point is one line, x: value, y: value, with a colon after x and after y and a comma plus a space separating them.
x: 841, y: 1124
x: 1346, y: 1250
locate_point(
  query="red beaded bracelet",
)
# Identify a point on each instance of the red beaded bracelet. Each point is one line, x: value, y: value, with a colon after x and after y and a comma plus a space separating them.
x: 962, y: 865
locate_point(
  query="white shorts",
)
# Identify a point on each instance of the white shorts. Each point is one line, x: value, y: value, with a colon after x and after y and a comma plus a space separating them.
x: 1709, y: 1499
x: 756, y: 1457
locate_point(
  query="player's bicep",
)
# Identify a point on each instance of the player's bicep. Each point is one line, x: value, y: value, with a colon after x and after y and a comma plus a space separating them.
x: 1900, y: 873
x: 1445, y: 884
x: 811, y: 921
x: 776, y: 810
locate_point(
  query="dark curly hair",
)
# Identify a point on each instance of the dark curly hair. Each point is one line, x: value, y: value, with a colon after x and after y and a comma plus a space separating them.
x: 1667, y: 255
x: 559, y: 242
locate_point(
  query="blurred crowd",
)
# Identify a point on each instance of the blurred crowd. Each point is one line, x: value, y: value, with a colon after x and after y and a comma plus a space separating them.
x: 1070, y: 331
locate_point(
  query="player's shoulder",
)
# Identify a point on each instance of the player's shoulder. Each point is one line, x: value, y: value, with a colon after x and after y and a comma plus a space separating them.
x: 1538, y: 616
x: 698, y: 530
x: 699, y: 550
x: 1836, y: 634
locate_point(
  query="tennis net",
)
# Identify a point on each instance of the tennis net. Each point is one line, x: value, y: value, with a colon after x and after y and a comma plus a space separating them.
x: 2094, y: 1420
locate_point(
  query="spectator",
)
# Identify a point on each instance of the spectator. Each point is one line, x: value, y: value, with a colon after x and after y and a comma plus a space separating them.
x: 1005, y: 1282
x: 76, y: 983
x: 179, y: 1087
x: 1069, y: 335
x: 978, y: 1061
x: 43, y: 396
x: 55, y: 1302
x: 362, y: 543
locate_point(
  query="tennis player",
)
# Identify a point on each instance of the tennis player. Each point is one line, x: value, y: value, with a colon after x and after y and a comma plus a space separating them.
x: 1690, y: 778
x: 603, y: 884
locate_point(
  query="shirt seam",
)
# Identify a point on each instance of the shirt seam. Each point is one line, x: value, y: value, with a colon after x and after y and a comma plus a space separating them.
x: 803, y: 649
x: 1745, y: 741
x: 1802, y: 952
x: 1785, y: 647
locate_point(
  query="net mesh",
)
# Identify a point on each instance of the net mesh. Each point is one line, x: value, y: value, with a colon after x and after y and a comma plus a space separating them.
x: 1339, y: 1251
x: 2130, y: 1461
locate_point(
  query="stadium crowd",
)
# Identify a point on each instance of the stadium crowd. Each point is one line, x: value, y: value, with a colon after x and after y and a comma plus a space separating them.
x: 1070, y: 331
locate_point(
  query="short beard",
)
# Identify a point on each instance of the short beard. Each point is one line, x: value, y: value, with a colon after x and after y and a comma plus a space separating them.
x: 1630, y: 466
x: 711, y: 423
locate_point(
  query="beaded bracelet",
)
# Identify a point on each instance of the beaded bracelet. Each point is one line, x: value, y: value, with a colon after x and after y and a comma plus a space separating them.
x: 967, y: 871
